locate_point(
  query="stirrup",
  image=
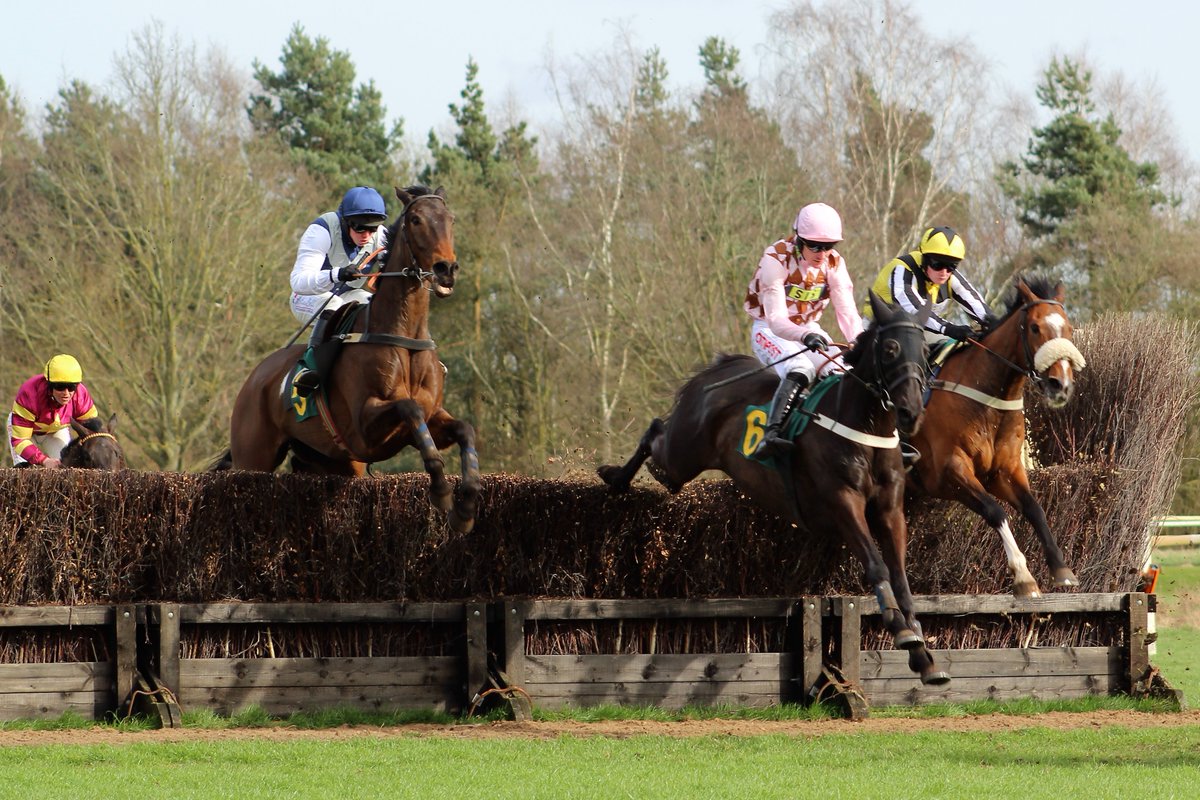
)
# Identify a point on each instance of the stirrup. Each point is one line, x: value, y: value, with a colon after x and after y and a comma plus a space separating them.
x: 773, y: 444
x: 306, y: 382
x: 909, y: 455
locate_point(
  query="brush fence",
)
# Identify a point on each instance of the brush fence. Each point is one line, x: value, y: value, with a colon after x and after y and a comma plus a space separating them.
x: 667, y: 653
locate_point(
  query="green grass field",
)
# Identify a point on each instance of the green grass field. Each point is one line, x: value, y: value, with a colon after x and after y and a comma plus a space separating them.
x: 1178, y: 646
x: 1160, y: 762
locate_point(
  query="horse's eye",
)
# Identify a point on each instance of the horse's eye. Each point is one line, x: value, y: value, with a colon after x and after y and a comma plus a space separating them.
x: 890, y: 350
x: 1035, y: 328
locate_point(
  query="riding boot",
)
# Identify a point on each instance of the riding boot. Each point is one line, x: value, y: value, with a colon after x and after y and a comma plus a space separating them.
x: 307, y: 380
x: 789, y: 391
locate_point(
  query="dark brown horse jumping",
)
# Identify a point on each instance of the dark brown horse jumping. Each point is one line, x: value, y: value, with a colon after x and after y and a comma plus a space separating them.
x: 972, y: 440
x: 385, y: 390
x: 845, y: 473
x: 95, y: 446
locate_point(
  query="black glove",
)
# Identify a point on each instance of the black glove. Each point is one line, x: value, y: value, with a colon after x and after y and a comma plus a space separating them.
x: 960, y: 332
x: 815, y: 342
x: 346, y: 274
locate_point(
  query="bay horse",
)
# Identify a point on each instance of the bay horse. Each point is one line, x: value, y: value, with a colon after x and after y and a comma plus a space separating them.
x: 385, y: 390
x: 95, y: 446
x: 845, y: 470
x: 974, y: 433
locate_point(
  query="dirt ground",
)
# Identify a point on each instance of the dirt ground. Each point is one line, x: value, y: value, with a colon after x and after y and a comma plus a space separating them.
x: 621, y: 729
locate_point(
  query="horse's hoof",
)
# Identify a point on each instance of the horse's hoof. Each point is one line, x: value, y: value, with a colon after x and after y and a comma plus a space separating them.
x: 1026, y: 591
x: 935, y: 677
x: 611, y: 474
x: 1064, y: 578
x: 459, y: 523
x: 907, y: 640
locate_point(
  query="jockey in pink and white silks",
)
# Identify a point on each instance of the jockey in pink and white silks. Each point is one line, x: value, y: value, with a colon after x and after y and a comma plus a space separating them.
x: 323, y: 278
x: 797, y: 278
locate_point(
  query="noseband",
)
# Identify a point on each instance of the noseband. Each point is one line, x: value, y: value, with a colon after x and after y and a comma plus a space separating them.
x: 1030, y: 370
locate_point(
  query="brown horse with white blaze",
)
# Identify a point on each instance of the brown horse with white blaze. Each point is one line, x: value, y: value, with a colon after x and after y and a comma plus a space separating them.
x: 385, y: 390
x: 974, y: 434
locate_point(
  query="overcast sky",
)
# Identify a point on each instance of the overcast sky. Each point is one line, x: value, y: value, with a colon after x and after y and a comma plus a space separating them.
x: 416, y: 52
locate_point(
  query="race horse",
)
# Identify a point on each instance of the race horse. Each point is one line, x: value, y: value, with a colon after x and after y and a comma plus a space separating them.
x: 845, y: 469
x: 974, y: 430
x: 95, y: 446
x: 385, y: 390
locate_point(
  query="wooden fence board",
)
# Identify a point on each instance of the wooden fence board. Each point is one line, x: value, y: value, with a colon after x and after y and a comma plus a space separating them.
x: 319, y: 672
x: 909, y: 691
x: 999, y: 662
x: 319, y: 613
x: 70, y: 676
x: 663, y: 695
x: 49, y: 705
x: 55, y: 616
x: 672, y: 668
x: 288, y: 700
x: 658, y: 609
x: 1001, y: 604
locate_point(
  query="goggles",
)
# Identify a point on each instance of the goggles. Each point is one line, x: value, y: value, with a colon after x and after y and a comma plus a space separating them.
x: 361, y: 227
x: 817, y: 247
x: 64, y: 387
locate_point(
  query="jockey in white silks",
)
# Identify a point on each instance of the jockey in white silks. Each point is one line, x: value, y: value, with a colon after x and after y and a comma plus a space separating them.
x: 323, y: 278
x: 797, y: 278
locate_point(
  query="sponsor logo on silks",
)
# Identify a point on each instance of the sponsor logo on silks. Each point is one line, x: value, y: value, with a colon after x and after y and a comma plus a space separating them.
x: 805, y: 294
x: 766, y: 344
x: 756, y: 429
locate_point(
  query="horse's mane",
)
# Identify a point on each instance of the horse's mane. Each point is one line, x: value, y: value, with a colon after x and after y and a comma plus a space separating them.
x: 864, y: 342
x: 1041, y: 285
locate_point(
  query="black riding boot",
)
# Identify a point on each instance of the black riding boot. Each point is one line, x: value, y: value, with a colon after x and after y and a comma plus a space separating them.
x: 789, y: 391
x: 306, y: 381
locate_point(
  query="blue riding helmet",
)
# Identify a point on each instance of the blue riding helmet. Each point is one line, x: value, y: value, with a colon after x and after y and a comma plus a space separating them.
x: 362, y: 202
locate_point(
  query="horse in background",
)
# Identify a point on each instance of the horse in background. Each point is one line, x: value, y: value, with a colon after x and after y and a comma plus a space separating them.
x: 845, y: 470
x: 95, y: 446
x: 974, y: 432
x: 386, y: 388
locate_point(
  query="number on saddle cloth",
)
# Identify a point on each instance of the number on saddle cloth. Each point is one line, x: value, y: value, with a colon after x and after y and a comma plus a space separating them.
x: 321, y: 357
x: 755, y: 419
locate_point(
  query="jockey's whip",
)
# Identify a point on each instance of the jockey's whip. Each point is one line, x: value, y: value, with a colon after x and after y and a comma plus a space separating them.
x: 317, y: 313
x: 755, y: 371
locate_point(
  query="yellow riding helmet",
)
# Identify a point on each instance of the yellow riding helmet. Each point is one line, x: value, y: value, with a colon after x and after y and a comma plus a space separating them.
x: 943, y: 241
x: 63, y: 369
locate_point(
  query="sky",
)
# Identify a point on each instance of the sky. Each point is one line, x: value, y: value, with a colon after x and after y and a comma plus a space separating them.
x: 416, y: 52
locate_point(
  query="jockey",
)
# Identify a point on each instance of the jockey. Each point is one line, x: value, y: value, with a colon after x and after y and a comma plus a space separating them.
x: 921, y: 277
x: 39, y: 426
x: 328, y: 273
x: 797, y: 278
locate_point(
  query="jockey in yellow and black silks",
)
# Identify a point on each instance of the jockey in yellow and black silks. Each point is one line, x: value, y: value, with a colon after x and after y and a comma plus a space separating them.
x: 930, y: 274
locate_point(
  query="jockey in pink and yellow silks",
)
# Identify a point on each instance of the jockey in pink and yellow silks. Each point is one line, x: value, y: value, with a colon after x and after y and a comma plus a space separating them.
x: 39, y: 426
x: 796, y: 279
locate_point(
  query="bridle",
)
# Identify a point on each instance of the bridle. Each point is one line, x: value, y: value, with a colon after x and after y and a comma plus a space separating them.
x: 412, y: 269
x: 911, y: 369
x: 1029, y: 371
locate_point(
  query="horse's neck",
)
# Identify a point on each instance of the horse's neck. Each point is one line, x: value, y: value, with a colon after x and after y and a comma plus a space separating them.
x: 859, y: 406
x: 401, y: 307
x: 979, y: 369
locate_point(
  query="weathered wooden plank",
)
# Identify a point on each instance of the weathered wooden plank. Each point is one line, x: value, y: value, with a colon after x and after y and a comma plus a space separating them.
x: 251, y: 613
x: 127, y: 652
x: 477, y: 649
x: 41, y: 705
x: 999, y: 662
x: 55, y: 616
x: 514, y: 639
x: 847, y: 613
x: 663, y: 695
x: 65, y: 676
x: 961, y: 690
x: 166, y: 616
x: 1136, y: 672
x: 659, y: 609
x: 319, y: 672
x: 288, y: 700
x: 661, y: 668
x: 1003, y: 604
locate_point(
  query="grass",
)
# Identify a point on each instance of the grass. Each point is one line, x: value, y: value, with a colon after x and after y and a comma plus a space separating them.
x: 1160, y: 762
x: 1178, y: 620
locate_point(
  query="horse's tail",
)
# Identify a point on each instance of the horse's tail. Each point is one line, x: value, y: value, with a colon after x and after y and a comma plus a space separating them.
x: 222, y: 462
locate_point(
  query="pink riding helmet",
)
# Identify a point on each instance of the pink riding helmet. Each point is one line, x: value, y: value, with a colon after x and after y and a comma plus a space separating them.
x: 818, y: 222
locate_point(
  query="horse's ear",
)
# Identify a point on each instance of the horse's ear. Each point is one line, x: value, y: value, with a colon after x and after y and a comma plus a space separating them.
x: 1060, y: 292
x: 440, y: 192
x: 882, y: 312
x: 112, y: 422
x: 79, y: 428
x: 1025, y: 291
x: 923, y: 314
x: 404, y: 197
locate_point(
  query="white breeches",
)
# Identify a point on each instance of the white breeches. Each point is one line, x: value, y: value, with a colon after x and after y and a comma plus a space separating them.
x: 769, y: 348
x: 306, y: 306
x: 51, y: 444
